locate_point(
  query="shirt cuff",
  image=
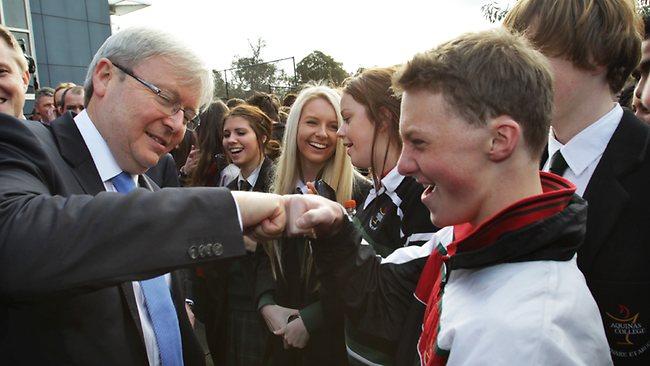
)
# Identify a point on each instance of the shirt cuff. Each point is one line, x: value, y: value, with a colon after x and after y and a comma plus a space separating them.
x: 241, y: 223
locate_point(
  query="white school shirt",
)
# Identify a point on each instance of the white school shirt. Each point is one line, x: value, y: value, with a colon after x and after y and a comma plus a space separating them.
x: 108, y: 168
x: 252, y: 178
x: 584, y: 151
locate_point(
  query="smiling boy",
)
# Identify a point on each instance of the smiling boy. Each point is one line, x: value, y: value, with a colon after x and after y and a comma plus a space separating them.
x: 499, y: 284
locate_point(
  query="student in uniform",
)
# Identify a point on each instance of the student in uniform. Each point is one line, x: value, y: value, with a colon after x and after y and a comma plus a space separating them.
x: 308, y: 331
x: 603, y: 149
x: 392, y: 216
x: 498, y: 284
x: 238, y: 335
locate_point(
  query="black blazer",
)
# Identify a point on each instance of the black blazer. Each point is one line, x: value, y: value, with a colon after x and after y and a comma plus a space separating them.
x: 615, y: 256
x: 211, y: 288
x: 263, y: 183
x: 164, y: 174
x: 69, y: 250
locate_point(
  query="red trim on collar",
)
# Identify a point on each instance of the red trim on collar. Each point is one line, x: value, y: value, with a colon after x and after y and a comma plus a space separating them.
x: 556, y: 195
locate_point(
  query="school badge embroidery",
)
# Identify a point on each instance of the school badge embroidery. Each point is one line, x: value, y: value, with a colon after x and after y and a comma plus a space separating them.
x: 378, y: 218
x: 629, y: 332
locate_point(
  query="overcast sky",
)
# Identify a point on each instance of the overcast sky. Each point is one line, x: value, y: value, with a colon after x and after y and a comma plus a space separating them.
x: 356, y: 33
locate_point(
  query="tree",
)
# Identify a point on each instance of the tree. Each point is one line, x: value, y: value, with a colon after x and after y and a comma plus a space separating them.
x: 318, y: 66
x: 219, y: 85
x: 252, y: 73
x: 494, y: 13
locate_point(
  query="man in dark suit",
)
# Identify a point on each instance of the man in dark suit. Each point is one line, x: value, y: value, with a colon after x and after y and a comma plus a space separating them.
x: 604, y: 150
x: 86, y: 247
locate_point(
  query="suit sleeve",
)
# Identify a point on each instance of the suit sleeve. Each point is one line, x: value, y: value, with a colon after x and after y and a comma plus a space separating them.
x: 376, y: 295
x: 53, y: 244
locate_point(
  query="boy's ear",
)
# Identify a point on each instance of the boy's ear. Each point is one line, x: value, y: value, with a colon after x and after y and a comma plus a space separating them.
x: 506, y: 134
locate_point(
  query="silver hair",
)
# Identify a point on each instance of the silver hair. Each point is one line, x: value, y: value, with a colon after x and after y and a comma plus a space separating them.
x: 131, y: 46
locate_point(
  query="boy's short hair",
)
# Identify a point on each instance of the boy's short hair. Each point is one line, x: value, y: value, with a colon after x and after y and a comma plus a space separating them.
x: 485, y: 75
x: 588, y: 33
x: 11, y: 41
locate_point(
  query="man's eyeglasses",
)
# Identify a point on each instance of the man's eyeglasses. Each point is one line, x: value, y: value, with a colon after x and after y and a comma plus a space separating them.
x: 190, y: 117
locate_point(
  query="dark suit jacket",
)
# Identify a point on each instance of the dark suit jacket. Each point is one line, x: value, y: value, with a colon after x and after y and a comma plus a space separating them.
x: 615, y: 256
x: 164, y: 174
x: 68, y: 250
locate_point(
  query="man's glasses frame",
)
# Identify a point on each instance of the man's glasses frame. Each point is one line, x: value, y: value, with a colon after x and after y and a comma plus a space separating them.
x: 190, y: 117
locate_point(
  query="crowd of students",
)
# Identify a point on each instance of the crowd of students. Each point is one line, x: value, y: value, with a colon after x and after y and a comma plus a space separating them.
x: 330, y: 136
x: 484, y: 203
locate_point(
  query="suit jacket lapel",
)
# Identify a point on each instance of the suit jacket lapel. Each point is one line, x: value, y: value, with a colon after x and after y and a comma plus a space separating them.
x: 76, y: 154
x: 605, y: 193
x: 74, y: 150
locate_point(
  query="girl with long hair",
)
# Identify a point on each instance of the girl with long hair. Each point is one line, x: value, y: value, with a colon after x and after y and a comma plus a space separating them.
x: 239, y: 336
x: 287, y: 288
x: 392, y: 215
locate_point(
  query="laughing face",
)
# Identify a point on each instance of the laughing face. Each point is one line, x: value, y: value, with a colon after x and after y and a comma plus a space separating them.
x: 316, y: 138
x: 13, y: 82
x: 444, y: 153
x: 241, y: 145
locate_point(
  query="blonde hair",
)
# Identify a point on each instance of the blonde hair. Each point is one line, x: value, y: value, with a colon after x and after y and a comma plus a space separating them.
x: 338, y: 172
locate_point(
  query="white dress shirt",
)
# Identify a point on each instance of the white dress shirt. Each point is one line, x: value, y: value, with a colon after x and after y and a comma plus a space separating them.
x: 584, y: 151
x: 228, y: 173
x: 252, y: 178
x: 108, y: 168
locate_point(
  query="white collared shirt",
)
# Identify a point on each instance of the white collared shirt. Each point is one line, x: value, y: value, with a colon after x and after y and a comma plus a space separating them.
x: 108, y: 168
x: 302, y: 186
x: 584, y: 151
x: 252, y: 178
x: 227, y: 174
x: 389, y: 184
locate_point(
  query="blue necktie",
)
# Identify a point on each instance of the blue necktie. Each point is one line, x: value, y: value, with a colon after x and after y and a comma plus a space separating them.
x: 158, y: 301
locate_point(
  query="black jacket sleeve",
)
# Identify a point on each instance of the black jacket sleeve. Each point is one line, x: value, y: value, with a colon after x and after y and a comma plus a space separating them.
x: 54, y: 241
x: 376, y: 295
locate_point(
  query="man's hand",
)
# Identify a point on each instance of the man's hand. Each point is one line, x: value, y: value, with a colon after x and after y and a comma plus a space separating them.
x: 309, y: 214
x: 294, y: 334
x: 276, y: 316
x: 263, y: 216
